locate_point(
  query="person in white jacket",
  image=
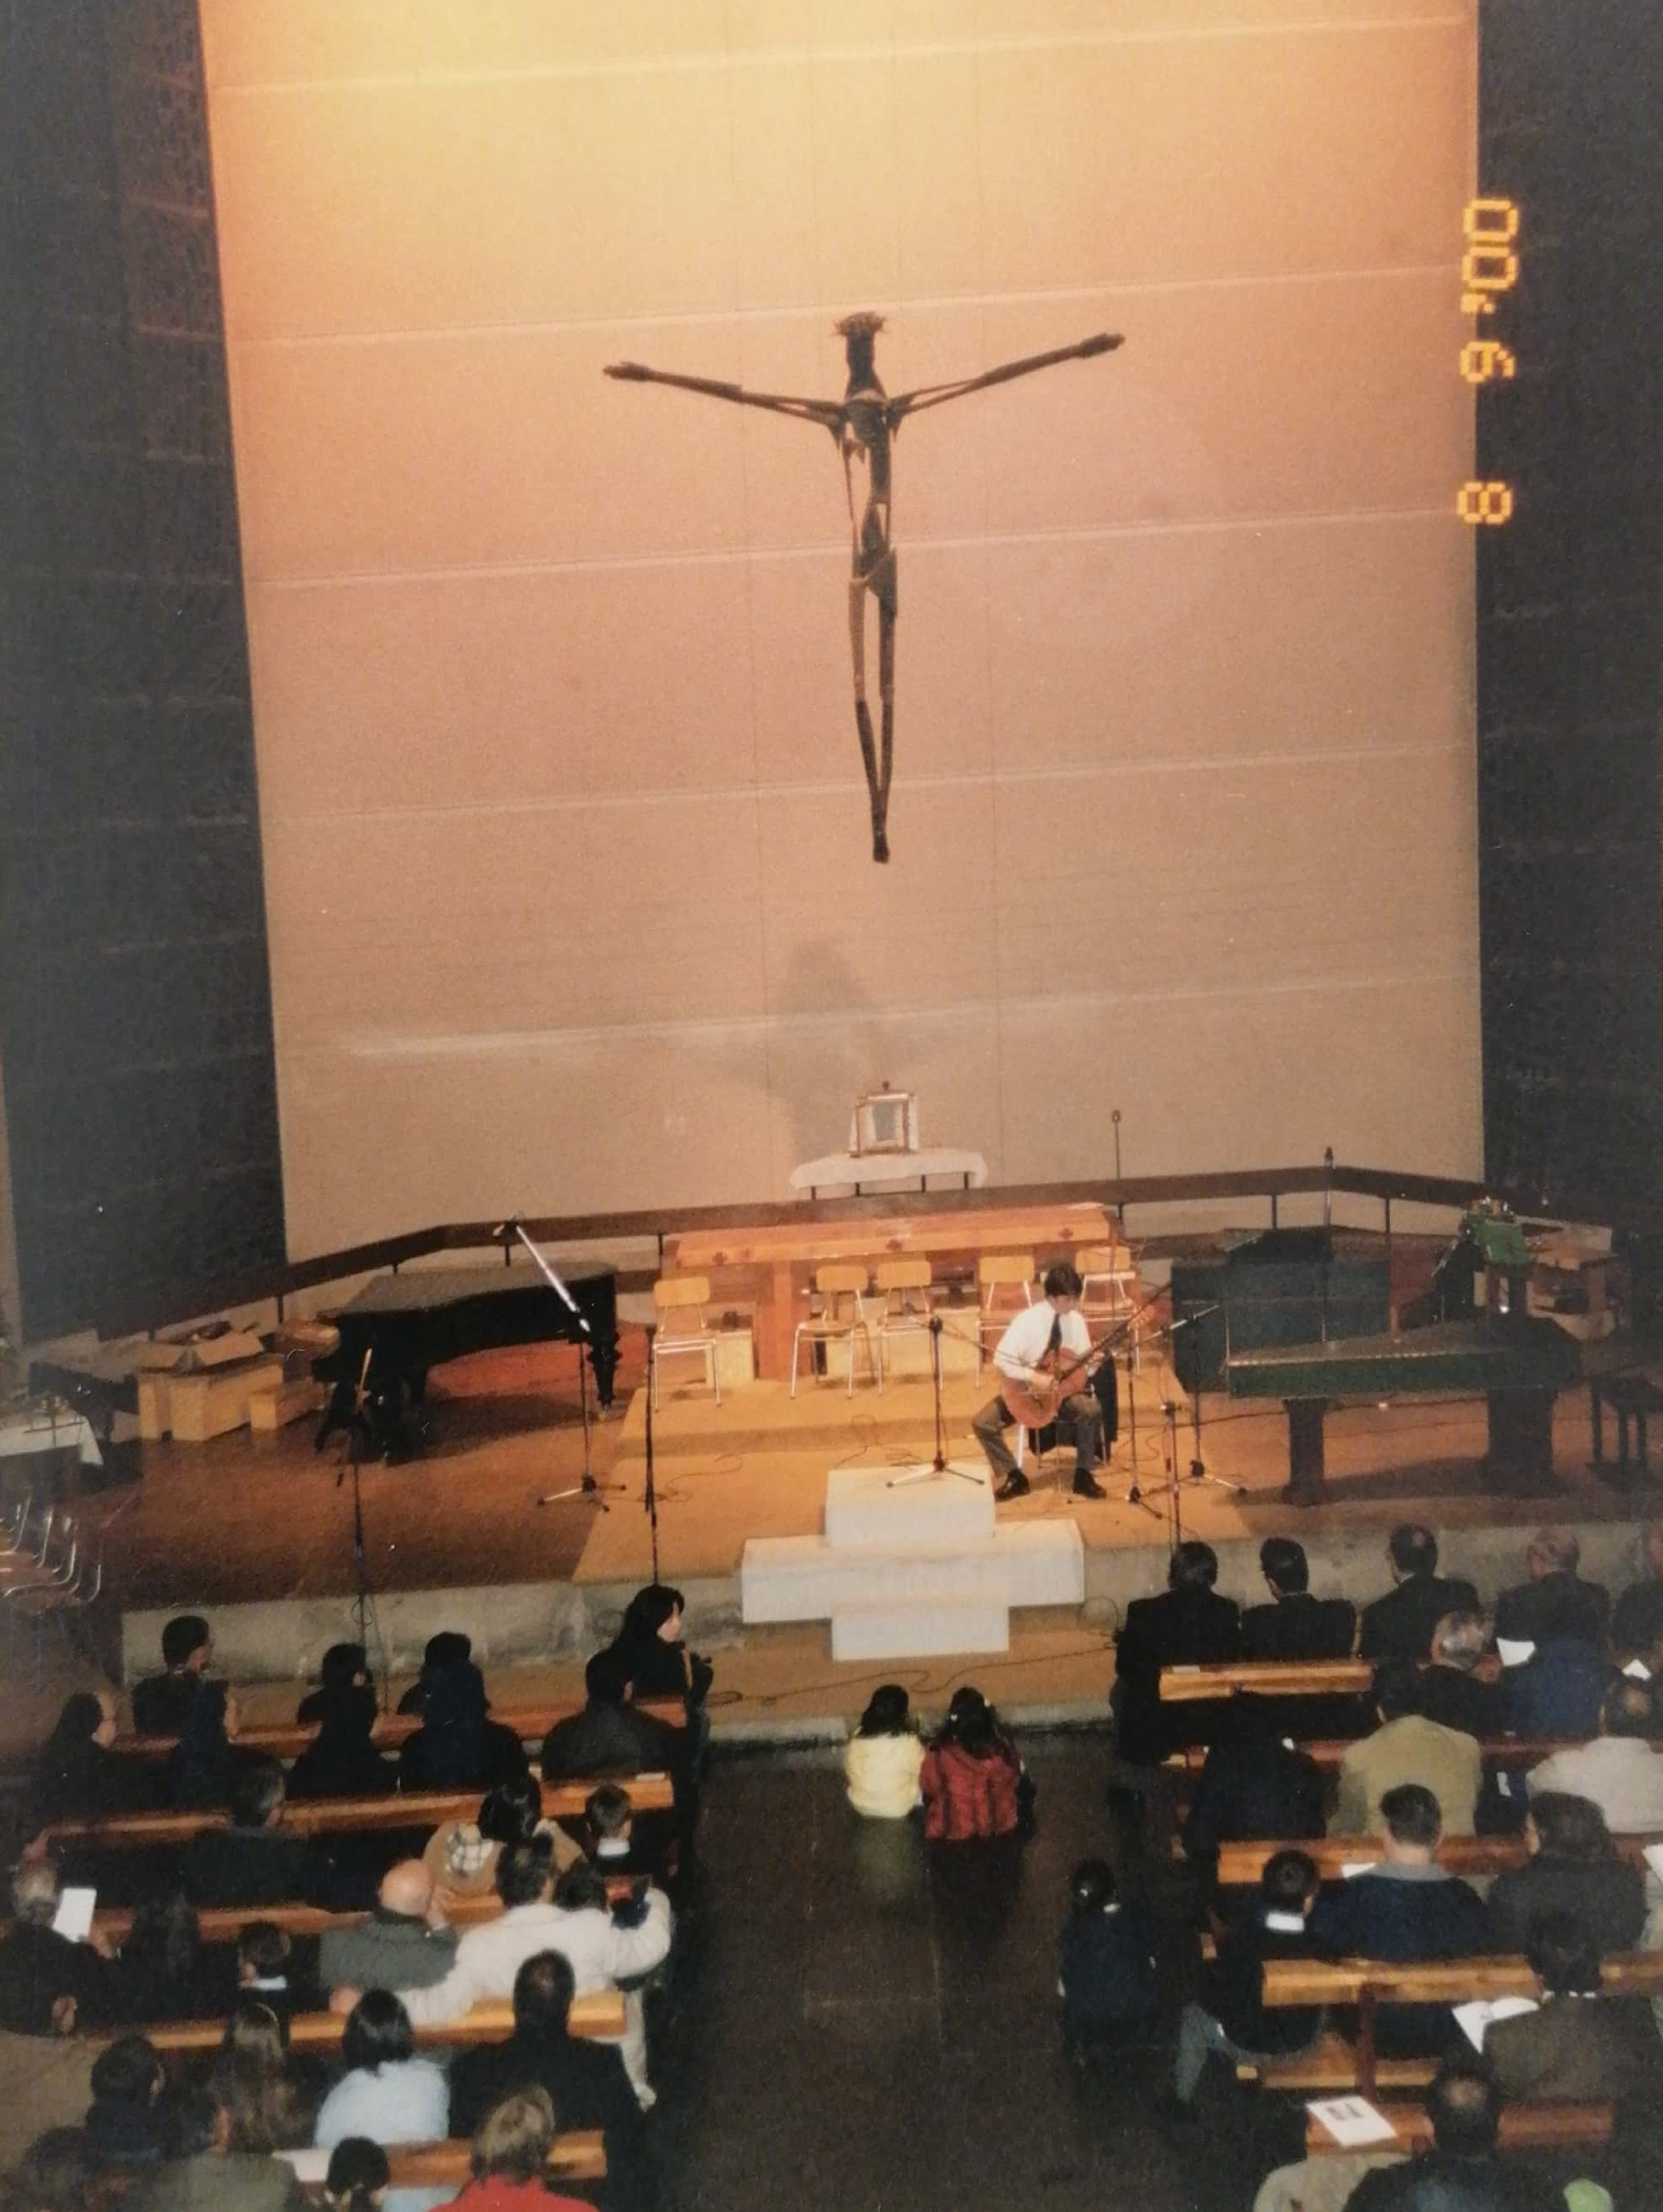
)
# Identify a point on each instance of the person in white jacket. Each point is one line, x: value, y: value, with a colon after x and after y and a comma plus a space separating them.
x: 880, y: 1764
x: 576, y: 1922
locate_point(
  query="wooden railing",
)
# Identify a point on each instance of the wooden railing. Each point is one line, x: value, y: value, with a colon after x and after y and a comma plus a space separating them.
x: 1241, y: 1864
x: 600, y: 2014
x: 1524, y: 2127
x: 126, y: 1314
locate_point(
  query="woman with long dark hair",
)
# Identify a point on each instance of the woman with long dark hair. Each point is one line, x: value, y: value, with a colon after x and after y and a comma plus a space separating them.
x: 253, y: 2080
x: 970, y: 1775
x: 165, y: 1970
x: 882, y: 1762
x: 77, y: 1776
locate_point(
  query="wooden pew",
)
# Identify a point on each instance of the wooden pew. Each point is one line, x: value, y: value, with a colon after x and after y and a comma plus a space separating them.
x: 336, y: 1816
x: 1514, y: 1751
x: 1268, y: 1678
x: 600, y: 2015
x: 1369, y: 1983
x: 224, y: 1923
x: 1240, y: 1865
x: 579, y: 2156
x: 1524, y: 2127
x: 288, y: 1739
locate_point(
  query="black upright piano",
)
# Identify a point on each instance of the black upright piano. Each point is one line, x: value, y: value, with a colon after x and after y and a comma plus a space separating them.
x: 408, y: 1323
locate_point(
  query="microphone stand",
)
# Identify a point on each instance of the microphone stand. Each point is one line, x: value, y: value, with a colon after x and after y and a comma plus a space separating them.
x: 650, y: 1489
x: 938, y: 1465
x: 586, y: 1487
x: 364, y: 1600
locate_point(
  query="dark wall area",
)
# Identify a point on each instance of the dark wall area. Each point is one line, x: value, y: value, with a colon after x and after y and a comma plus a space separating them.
x: 134, y: 998
x: 1570, y: 609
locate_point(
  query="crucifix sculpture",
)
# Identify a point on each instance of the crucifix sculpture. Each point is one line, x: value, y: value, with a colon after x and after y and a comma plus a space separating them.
x: 863, y: 424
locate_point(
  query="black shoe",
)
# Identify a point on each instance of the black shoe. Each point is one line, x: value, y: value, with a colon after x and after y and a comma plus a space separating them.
x: 1014, y: 1485
x: 1086, y: 1485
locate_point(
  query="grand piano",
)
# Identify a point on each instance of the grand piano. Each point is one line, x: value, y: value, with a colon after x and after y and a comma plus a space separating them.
x: 1519, y: 1365
x: 406, y: 1324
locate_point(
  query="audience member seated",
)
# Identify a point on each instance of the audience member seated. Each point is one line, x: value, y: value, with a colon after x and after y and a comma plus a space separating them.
x: 461, y: 1856
x: 387, y: 2092
x: 969, y: 1776
x: 585, y: 2080
x: 1107, y: 1973
x: 204, y: 1764
x: 609, y: 1822
x: 165, y: 1971
x: 442, y: 1654
x: 357, y: 2176
x: 1555, y: 1606
x: 404, y: 1945
x: 1566, y: 2051
x: 1294, y: 1624
x: 611, y: 1737
x: 126, y: 2119
x: 1618, y: 1772
x: 270, y: 2102
x: 1406, y: 1747
x: 205, y: 2174
x: 603, y: 1951
x: 652, y: 1655
x: 78, y: 1777
x: 256, y: 1861
x: 341, y: 1760
x: 1399, y: 1626
x: 55, y: 2173
x: 1451, y: 1692
x: 1231, y: 2016
x: 1252, y: 1785
x: 1188, y: 1625
x: 511, y: 2147
x: 882, y: 1759
x: 266, y: 1970
x: 161, y: 1702
x: 48, y: 1986
x: 458, y: 1746
x: 1462, y: 2172
x: 344, y: 1667
x: 1406, y: 1910
x: 1558, y: 1692
x: 1571, y: 1868
x: 1297, y: 1627
x: 1637, y: 1619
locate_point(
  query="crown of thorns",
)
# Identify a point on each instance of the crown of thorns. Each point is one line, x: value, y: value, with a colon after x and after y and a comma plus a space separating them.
x: 865, y: 324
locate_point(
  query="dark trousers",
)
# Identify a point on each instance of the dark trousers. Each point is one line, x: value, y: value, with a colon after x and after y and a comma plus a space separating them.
x: 1079, y: 1419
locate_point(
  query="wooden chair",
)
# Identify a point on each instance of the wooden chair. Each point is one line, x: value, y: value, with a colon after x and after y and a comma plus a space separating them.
x: 1109, y: 1295
x: 1004, y: 1283
x: 841, y: 1287
x: 682, y: 1330
x: 903, y: 1289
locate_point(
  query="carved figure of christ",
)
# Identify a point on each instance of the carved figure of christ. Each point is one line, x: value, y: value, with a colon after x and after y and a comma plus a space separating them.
x: 863, y: 424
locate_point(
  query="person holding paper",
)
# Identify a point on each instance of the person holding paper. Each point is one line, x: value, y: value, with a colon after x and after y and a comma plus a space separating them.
x: 1566, y: 2052
x: 49, y: 1984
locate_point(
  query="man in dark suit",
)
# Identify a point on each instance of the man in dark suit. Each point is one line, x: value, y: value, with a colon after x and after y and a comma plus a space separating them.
x: 1399, y: 1626
x: 1451, y: 1691
x: 1462, y: 2171
x: 609, y: 1738
x: 585, y: 2080
x: 1188, y: 1625
x: 162, y: 1703
x: 1555, y: 1606
x: 48, y: 1984
x: 1252, y: 1785
x: 257, y: 1861
x: 1295, y: 1624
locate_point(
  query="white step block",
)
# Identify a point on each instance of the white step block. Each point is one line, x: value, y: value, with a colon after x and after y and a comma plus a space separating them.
x: 920, y: 1632
x: 806, y: 1578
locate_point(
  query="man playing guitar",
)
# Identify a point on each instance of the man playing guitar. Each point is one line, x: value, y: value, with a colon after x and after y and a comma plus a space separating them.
x: 1040, y: 1359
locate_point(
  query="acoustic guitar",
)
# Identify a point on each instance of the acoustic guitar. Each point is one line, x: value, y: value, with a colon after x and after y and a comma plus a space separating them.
x: 1038, y: 1409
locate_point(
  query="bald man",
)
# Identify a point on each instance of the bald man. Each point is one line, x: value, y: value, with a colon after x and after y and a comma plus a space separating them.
x: 404, y: 1945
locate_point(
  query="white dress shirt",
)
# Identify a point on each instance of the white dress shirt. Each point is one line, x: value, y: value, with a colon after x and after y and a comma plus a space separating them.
x: 1027, y: 1341
x: 488, y: 1957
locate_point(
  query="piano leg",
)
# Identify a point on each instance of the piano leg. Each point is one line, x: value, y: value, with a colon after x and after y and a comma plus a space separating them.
x: 1520, y: 1461
x: 1306, y: 1470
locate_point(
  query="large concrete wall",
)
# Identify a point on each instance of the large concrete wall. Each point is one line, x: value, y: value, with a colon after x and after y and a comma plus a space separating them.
x: 564, y: 835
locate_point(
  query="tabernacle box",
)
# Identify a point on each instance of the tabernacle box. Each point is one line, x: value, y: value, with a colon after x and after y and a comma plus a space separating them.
x: 885, y: 1121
